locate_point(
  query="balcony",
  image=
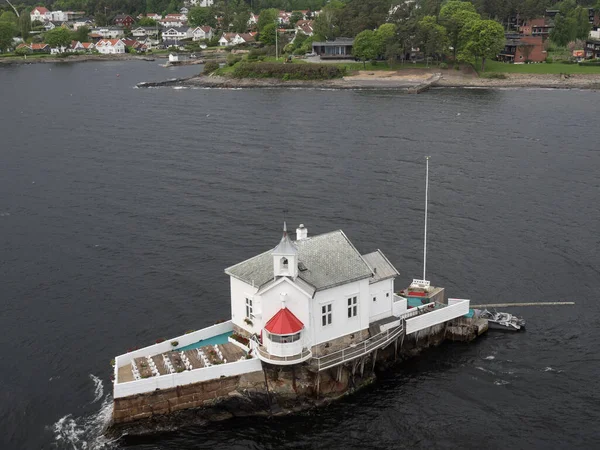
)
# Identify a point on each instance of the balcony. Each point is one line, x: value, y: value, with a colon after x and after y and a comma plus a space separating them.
x: 281, y: 350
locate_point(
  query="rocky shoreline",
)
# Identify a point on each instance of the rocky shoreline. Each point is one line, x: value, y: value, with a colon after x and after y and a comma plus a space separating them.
x: 410, y: 81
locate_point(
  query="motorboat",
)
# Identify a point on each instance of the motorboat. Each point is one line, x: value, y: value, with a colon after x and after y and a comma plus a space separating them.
x: 502, y: 320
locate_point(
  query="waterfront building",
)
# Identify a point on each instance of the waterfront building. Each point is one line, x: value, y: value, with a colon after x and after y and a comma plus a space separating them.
x: 110, y: 46
x: 340, y: 48
x: 314, y: 303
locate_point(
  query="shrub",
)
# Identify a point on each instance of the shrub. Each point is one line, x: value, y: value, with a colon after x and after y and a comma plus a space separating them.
x: 248, y: 321
x: 288, y: 71
x: 567, y: 61
x: 174, y: 343
x: 443, y: 65
x: 210, y: 67
x: 373, y: 62
x: 180, y: 369
x: 241, y: 339
x: 495, y: 75
x: 232, y: 59
x: 595, y: 62
x: 112, y: 362
x: 456, y: 67
x: 549, y: 59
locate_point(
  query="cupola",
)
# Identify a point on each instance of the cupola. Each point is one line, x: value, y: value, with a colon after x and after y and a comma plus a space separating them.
x: 285, y: 257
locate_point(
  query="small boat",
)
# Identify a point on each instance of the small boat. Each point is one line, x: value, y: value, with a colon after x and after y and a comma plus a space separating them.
x: 502, y: 321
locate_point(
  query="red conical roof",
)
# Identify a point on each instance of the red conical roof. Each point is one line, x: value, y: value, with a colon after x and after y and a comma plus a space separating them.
x: 284, y: 322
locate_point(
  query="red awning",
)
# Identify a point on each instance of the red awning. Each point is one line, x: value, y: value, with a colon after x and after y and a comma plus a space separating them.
x: 284, y: 322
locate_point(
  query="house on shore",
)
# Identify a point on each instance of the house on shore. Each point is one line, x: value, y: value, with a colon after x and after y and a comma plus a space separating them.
x: 340, y: 48
x: 230, y: 39
x: 110, y: 46
x: 592, y: 49
x: 35, y: 47
x: 520, y: 49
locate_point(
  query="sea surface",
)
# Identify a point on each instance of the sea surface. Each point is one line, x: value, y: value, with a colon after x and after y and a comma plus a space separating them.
x: 120, y: 208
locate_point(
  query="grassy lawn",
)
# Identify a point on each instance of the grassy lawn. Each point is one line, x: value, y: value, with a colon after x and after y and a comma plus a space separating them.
x: 542, y: 68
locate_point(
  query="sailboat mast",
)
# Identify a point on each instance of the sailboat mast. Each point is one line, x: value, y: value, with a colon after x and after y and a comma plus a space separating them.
x: 425, y: 234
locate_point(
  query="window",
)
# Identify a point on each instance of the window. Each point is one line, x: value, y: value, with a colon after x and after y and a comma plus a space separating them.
x: 387, y: 294
x: 248, y: 307
x: 285, y: 339
x: 374, y: 299
x: 326, y: 314
x: 353, y: 307
x: 284, y: 263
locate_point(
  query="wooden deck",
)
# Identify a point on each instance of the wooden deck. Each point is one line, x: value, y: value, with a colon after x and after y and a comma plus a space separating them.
x: 231, y: 353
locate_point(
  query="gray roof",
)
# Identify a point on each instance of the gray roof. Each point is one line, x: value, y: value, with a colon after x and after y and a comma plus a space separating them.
x: 381, y: 266
x: 286, y: 246
x: 328, y: 260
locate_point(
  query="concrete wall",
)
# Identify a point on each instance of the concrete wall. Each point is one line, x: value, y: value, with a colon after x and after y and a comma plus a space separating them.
x: 436, y: 317
x: 383, y: 292
x: 341, y: 325
x: 186, y: 377
x: 144, y: 406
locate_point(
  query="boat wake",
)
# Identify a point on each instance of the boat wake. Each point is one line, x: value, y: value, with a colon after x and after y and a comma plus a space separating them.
x: 87, y: 431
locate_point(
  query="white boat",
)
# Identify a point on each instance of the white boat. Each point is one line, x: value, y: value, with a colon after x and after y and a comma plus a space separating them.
x: 502, y: 321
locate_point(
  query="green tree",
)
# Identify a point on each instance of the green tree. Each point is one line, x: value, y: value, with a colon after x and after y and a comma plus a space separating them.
x: 366, y: 46
x: 563, y: 31
x: 581, y: 23
x: 25, y: 23
x: 295, y: 17
x: 483, y: 39
x: 8, y: 31
x: 267, y: 17
x: 454, y: 15
x: 200, y: 16
x: 432, y: 37
x: 268, y: 33
x: 58, y: 37
x: 326, y: 25
x: 81, y: 34
x: 9, y: 16
x: 146, y: 22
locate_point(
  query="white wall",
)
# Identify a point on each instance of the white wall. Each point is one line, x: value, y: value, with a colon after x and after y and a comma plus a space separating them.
x: 239, y: 292
x: 436, y: 317
x: 166, y: 346
x: 383, y: 291
x: 341, y: 325
x: 186, y: 377
x: 399, y: 305
x: 295, y: 300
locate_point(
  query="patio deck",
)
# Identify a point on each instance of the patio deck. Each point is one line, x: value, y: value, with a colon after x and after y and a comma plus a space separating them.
x: 230, y: 352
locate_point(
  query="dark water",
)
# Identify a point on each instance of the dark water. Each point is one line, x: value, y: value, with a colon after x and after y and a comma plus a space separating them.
x: 120, y: 207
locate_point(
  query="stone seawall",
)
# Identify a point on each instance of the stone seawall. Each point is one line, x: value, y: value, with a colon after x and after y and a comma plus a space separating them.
x: 276, y: 390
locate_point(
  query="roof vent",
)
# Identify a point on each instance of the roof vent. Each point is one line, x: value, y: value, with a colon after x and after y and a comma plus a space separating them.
x: 302, y: 267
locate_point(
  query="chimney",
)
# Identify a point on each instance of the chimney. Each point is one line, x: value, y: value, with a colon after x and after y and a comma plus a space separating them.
x: 301, y: 232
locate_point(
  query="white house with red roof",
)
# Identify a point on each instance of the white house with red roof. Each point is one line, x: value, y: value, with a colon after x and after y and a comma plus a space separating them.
x: 41, y: 14
x: 110, y: 46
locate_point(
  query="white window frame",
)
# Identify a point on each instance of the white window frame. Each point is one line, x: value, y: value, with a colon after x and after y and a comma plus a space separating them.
x: 353, y: 307
x: 249, y: 307
x: 326, y: 314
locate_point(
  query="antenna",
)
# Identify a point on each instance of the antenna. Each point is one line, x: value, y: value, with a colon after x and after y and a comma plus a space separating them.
x: 425, y: 234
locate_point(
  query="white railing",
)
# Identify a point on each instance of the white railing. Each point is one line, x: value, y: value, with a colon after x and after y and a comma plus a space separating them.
x: 182, y: 341
x: 437, y: 316
x: 357, y: 350
x: 419, y: 310
x: 267, y: 357
x: 186, y: 377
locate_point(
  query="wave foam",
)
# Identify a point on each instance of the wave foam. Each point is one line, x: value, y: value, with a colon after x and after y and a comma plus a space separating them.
x: 86, y: 432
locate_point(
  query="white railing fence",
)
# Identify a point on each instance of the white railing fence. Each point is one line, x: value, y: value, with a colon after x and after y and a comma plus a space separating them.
x: 357, y: 350
x: 436, y: 316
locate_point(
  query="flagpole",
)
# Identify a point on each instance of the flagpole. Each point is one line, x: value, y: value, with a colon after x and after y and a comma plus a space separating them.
x: 426, y: 198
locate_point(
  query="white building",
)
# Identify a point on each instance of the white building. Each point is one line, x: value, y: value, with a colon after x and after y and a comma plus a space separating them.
x: 202, y: 3
x: 176, y: 33
x: 59, y: 16
x: 40, y: 14
x: 315, y: 300
x: 200, y: 33
x: 331, y: 290
x: 229, y: 39
x: 110, y: 46
x: 108, y: 32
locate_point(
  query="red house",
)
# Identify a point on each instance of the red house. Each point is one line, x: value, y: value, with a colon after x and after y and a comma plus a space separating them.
x: 124, y: 20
